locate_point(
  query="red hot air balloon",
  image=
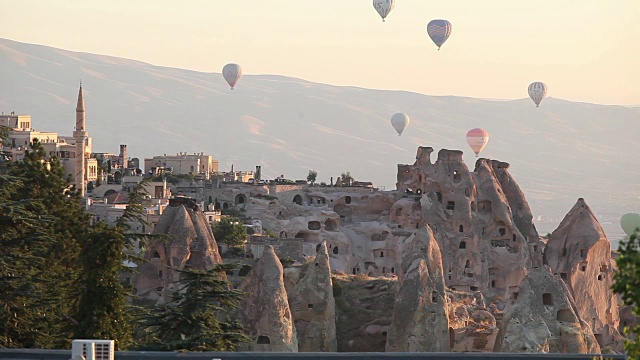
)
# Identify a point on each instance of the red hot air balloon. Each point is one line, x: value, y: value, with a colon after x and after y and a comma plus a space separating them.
x: 477, y: 139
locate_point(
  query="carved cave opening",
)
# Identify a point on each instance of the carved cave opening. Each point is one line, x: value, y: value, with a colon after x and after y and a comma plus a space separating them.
x: 314, y: 225
x: 263, y: 340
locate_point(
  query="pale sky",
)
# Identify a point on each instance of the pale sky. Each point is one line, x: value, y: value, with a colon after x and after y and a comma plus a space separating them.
x: 584, y: 50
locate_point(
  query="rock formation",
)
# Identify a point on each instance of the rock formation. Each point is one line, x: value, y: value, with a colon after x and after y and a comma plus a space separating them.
x: 420, y: 320
x: 482, y: 247
x: 265, y: 309
x: 187, y: 242
x: 580, y: 253
x: 488, y: 243
x: 312, y: 304
x: 542, y: 318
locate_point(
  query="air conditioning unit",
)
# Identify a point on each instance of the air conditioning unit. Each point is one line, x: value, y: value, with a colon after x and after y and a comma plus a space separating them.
x: 92, y: 349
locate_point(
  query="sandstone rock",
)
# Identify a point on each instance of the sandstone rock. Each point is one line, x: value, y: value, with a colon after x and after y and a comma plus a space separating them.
x: 420, y: 322
x: 189, y: 243
x: 542, y: 317
x: 522, y: 216
x: 313, y: 306
x: 580, y: 253
x: 482, y: 248
x: 265, y: 309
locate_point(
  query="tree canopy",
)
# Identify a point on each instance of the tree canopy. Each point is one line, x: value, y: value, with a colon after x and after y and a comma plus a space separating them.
x: 191, y: 320
x: 627, y: 284
x: 312, y: 177
x: 230, y: 231
x: 346, y: 178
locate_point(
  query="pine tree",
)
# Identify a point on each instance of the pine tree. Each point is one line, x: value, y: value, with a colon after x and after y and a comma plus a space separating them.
x: 21, y: 291
x: 48, y: 225
x: 190, y: 321
x: 103, y: 311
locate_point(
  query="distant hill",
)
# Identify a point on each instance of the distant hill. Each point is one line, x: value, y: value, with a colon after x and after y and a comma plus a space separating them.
x: 558, y: 152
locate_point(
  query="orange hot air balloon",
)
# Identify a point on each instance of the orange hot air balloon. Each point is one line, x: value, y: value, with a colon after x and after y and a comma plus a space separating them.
x: 477, y: 139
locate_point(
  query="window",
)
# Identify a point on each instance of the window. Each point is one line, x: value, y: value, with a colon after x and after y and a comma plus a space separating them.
x: 347, y: 199
x: 451, y: 205
x: 463, y: 245
x: 502, y: 231
x: 547, y: 299
x: 461, y: 228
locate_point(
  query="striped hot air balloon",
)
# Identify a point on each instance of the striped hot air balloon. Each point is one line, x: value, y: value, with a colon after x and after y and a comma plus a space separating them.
x: 537, y: 92
x: 439, y: 31
x: 232, y: 74
x: 477, y: 139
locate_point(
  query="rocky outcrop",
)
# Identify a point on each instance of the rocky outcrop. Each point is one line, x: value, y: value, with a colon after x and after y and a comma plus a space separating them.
x: 265, y: 309
x: 473, y: 327
x: 580, y: 253
x: 312, y: 304
x: 420, y: 322
x: 522, y: 216
x: 187, y: 242
x: 482, y: 246
x: 542, y: 318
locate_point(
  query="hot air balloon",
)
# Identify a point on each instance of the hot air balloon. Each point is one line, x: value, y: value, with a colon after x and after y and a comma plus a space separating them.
x: 400, y: 122
x: 537, y: 92
x: 384, y: 7
x: 477, y: 139
x: 439, y: 31
x: 232, y: 73
x: 630, y: 222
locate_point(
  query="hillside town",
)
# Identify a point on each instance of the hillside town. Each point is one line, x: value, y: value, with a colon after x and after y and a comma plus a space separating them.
x: 448, y: 261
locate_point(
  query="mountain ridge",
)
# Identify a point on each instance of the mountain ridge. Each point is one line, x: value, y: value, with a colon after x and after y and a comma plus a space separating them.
x: 559, y: 152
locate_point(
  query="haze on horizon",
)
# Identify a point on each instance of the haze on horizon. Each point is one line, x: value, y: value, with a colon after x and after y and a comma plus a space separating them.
x: 583, y: 50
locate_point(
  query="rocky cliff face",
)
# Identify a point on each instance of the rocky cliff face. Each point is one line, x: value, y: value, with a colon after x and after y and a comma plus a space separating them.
x: 482, y: 247
x: 420, y: 321
x: 265, y: 309
x: 312, y: 304
x: 453, y: 298
x: 188, y: 242
x: 542, y: 317
x: 579, y: 252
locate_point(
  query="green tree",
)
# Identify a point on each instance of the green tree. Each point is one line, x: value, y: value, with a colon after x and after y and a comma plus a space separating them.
x: 24, y: 300
x: 311, y: 178
x: 39, y: 186
x: 190, y: 321
x: 346, y: 178
x: 230, y: 231
x: 102, y: 310
x: 627, y: 284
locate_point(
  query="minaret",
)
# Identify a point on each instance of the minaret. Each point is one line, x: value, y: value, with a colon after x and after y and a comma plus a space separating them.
x: 81, y: 136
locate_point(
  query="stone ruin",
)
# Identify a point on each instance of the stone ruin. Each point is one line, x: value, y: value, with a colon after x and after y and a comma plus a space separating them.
x: 470, y: 271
